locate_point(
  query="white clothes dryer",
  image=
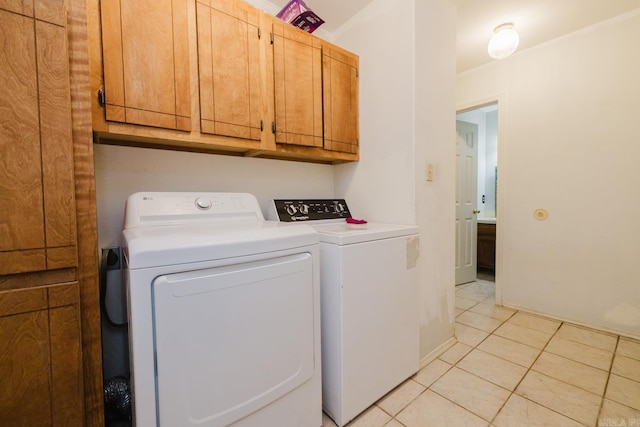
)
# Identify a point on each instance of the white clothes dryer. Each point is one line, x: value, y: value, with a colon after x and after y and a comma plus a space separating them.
x: 369, y: 304
x: 223, y: 307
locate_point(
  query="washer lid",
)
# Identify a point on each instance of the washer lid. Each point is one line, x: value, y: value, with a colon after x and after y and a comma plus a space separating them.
x: 189, y: 243
x: 347, y: 234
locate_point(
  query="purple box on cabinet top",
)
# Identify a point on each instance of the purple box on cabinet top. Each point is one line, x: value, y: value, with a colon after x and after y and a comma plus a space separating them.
x: 297, y: 13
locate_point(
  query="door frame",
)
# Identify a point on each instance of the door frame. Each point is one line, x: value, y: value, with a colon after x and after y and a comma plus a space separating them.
x: 499, y: 100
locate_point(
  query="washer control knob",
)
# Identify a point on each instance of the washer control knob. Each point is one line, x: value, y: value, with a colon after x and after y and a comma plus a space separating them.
x: 304, y: 209
x: 291, y: 209
x: 203, y: 204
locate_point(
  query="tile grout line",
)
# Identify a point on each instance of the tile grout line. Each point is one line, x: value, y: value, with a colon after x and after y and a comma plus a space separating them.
x: 470, y: 373
x: 606, y: 386
x: 529, y: 369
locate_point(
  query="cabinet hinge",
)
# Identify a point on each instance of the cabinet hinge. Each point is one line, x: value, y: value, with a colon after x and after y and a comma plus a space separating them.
x: 101, y: 97
x: 357, y: 73
x: 271, y: 37
x: 259, y: 33
x: 273, y: 127
x: 261, y: 125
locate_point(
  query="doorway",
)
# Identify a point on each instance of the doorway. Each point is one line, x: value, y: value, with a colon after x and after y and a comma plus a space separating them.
x: 477, y: 193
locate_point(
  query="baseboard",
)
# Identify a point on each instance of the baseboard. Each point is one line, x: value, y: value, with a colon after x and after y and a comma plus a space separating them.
x: 572, y: 321
x: 424, y: 361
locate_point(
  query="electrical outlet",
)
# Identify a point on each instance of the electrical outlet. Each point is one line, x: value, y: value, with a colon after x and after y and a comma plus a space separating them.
x: 113, y: 258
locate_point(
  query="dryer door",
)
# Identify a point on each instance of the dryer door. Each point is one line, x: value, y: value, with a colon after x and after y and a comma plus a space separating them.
x: 232, y: 339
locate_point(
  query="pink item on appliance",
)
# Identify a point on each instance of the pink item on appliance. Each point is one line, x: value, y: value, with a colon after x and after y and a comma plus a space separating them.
x: 355, y: 221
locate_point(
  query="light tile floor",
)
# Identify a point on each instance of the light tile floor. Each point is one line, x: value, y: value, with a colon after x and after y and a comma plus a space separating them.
x: 512, y: 368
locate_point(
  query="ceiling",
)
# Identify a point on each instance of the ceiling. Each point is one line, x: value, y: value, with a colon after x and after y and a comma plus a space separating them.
x: 537, y: 21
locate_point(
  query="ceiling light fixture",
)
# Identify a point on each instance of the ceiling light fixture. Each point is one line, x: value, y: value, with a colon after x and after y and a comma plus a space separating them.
x: 503, y: 42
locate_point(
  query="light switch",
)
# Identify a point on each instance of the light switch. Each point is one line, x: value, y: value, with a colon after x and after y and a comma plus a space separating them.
x: 429, y: 172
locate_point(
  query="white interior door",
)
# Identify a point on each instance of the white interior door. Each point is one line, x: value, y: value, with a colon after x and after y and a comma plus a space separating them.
x: 466, y: 201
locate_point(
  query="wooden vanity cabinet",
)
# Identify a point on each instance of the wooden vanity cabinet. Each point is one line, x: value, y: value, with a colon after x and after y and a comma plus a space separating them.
x: 146, y: 63
x: 486, y: 246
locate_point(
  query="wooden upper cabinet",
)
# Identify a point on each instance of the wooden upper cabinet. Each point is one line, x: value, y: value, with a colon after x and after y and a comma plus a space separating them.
x: 37, y: 213
x: 229, y: 69
x: 340, y: 93
x: 297, y: 76
x: 261, y: 87
x: 146, y: 62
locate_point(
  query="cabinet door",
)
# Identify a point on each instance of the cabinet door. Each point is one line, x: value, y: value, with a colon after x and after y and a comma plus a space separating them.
x: 40, y: 357
x: 229, y: 69
x: 297, y: 63
x: 36, y: 174
x: 340, y: 87
x: 21, y: 210
x: 486, y: 246
x: 58, y: 180
x: 146, y: 62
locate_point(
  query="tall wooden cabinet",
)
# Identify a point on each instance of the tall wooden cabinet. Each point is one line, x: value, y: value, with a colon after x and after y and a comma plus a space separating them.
x: 40, y: 357
x: 42, y: 362
x: 37, y: 213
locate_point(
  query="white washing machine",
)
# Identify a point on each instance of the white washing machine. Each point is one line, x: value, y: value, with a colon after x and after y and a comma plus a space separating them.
x: 224, y: 320
x: 369, y: 304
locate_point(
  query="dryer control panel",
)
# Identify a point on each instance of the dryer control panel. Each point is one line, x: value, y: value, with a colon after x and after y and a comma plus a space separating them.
x: 163, y: 208
x: 296, y: 210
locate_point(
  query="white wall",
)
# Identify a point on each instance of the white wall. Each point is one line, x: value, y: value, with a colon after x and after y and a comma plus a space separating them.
x: 569, y: 143
x: 435, y: 111
x: 381, y: 187
x: 407, y: 117
x: 121, y: 171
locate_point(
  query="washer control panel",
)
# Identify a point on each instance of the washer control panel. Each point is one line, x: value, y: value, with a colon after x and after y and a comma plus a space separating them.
x: 310, y: 209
